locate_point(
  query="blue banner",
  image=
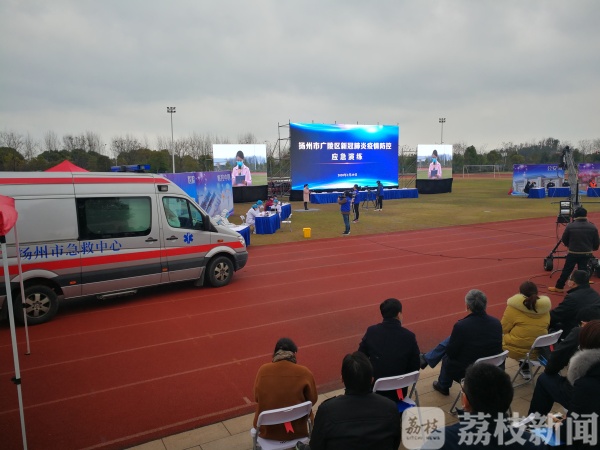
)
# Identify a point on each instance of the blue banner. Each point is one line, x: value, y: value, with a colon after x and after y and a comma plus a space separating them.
x: 339, y: 156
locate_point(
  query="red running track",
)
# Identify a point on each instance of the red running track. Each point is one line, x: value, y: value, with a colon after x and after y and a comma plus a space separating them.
x: 113, y: 374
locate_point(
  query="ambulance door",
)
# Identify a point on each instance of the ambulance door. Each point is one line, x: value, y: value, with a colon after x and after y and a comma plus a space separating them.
x: 184, y: 239
x: 119, y: 241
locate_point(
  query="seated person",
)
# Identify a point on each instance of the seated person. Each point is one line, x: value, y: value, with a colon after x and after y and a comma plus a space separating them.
x: 593, y: 183
x: 565, y: 349
x: 276, y: 206
x: 582, y: 420
x: 578, y: 392
x: 527, y: 187
x: 550, y: 184
x: 486, y: 396
x: 527, y: 316
x: 580, y: 295
x: 391, y: 348
x: 261, y: 206
x: 282, y: 383
x: 565, y: 184
x: 476, y: 336
x: 359, y: 419
x: 269, y: 203
x: 251, y: 217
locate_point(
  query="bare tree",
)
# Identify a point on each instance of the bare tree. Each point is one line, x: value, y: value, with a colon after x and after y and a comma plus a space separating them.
x: 11, y: 139
x: 30, y: 147
x: 93, y: 142
x: 74, y: 142
x: 246, y: 138
x: 122, y: 144
x: 51, y: 142
x: 459, y: 148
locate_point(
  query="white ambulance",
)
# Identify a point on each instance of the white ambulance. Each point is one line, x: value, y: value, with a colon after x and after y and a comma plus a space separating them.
x: 108, y: 234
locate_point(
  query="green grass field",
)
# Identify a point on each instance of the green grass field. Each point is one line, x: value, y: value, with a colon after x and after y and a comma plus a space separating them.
x: 473, y: 200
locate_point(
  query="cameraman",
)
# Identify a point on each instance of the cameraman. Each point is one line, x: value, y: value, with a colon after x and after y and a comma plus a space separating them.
x: 344, y: 201
x: 581, y: 239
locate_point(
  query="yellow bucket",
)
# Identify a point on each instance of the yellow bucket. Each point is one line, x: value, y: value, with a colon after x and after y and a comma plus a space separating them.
x: 306, y: 232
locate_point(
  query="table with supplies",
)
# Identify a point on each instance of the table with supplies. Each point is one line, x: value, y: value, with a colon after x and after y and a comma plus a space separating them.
x: 267, y: 222
x: 244, y: 230
x: 537, y: 193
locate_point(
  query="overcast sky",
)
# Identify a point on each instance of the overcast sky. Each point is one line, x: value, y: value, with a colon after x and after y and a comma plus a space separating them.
x: 498, y: 71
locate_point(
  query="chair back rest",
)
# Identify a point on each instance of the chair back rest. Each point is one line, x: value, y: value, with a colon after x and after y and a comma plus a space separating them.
x: 546, y: 339
x: 496, y: 360
x: 396, y: 382
x: 282, y: 415
x: 243, y: 218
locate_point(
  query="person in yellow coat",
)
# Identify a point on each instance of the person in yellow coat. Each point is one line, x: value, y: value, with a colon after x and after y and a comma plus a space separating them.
x: 526, y: 317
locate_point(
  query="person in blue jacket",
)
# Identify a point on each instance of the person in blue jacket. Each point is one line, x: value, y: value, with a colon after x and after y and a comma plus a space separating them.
x: 344, y: 201
x: 379, y: 199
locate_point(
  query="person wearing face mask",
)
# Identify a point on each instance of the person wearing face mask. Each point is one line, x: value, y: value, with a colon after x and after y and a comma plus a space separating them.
x: 240, y: 170
x: 435, y: 168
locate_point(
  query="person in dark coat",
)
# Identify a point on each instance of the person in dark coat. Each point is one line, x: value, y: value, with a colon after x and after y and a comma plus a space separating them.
x: 581, y: 295
x: 486, y: 396
x: 476, y: 336
x: 359, y: 419
x: 559, y: 358
x: 584, y: 375
x: 578, y: 392
x: 391, y: 348
x: 581, y: 238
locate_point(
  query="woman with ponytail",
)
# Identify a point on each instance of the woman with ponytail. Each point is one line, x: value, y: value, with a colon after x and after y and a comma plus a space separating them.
x: 526, y: 317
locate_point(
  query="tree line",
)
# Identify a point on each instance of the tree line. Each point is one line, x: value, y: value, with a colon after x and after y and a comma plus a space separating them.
x: 20, y: 152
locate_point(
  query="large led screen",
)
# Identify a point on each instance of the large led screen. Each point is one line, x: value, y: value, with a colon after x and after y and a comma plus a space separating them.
x: 253, y: 158
x: 434, y: 162
x: 339, y: 156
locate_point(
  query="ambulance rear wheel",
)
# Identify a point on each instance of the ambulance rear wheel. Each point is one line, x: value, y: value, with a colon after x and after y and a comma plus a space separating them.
x: 219, y: 271
x: 41, y: 305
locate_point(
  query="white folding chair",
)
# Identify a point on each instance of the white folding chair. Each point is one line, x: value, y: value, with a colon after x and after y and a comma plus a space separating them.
x: 399, y: 382
x: 288, y: 221
x: 496, y: 360
x: 243, y: 219
x: 540, y: 342
x: 279, y: 416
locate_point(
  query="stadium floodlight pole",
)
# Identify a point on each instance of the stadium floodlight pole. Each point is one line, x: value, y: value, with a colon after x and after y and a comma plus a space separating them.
x: 171, y: 110
x: 442, y: 121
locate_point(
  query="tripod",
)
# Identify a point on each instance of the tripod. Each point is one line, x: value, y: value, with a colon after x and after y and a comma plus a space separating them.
x: 369, y: 199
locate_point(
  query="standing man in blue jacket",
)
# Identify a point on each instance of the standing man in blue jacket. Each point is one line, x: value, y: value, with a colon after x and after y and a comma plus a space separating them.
x: 379, y: 199
x: 344, y: 201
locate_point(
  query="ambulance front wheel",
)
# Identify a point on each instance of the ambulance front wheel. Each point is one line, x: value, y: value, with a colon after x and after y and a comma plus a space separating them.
x: 219, y: 271
x: 41, y: 305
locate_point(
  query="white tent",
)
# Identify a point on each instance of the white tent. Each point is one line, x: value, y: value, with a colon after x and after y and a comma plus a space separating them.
x: 8, y: 219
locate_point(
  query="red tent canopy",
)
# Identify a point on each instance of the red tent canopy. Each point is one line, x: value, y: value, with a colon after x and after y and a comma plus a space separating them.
x: 66, y: 166
x: 8, y: 214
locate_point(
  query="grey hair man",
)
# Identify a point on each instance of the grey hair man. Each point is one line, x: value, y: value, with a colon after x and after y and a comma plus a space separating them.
x: 475, y: 336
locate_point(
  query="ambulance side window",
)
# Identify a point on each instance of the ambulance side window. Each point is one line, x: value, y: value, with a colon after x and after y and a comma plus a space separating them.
x: 114, y: 217
x: 180, y: 213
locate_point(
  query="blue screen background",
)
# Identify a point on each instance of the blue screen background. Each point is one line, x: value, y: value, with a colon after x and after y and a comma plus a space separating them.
x: 330, y: 163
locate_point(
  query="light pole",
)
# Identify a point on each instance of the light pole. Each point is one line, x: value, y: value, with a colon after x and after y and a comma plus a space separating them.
x: 442, y: 121
x: 171, y: 110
